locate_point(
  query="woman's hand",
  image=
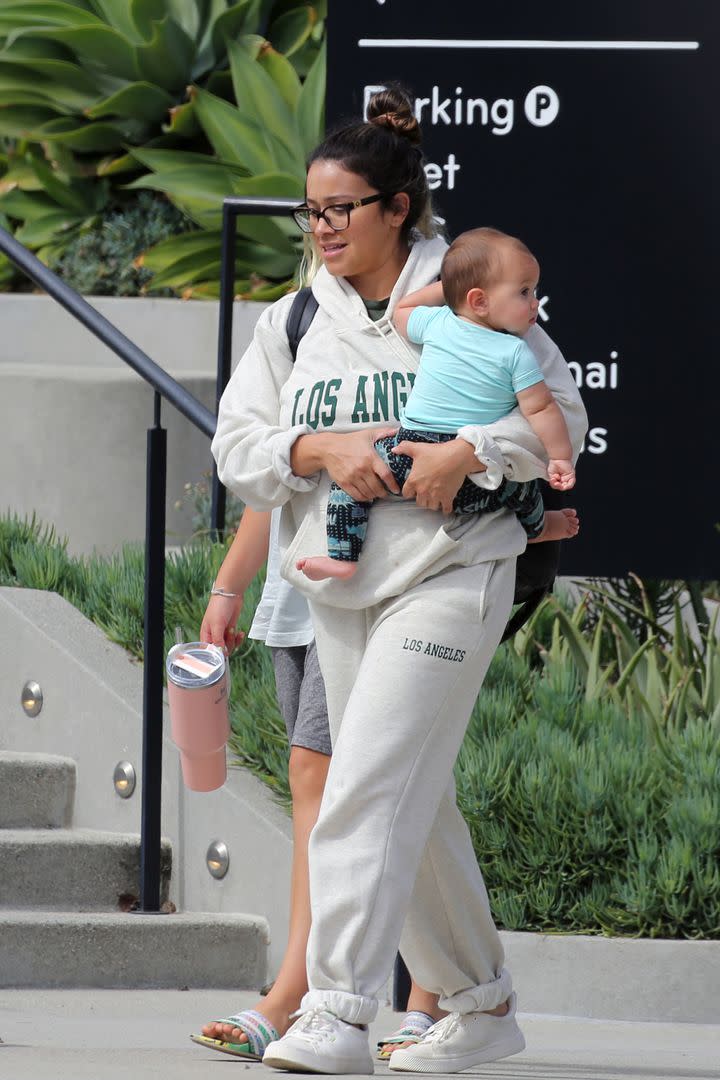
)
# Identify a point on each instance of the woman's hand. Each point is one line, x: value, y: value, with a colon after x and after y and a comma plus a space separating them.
x: 438, y: 471
x: 350, y: 459
x: 219, y: 621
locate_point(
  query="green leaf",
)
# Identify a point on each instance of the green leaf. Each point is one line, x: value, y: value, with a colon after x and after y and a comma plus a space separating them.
x: 183, y: 121
x: 311, y: 105
x: 45, y: 229
x: 291, y: 30
x: 190, y: 17
x: 119, y: 16
x: 161, y: 160
x: 168, y: 56
x: 141, y: 100
x: 59, y: 73
x: 26, y: 205
x: 579, y: 648
x: 20, y: 122
x: 71, y: 198
x: 184, y: 271
x: 101, y: 45
x: 205, y: 264
x: 232, y: 135
x: 198, y: 191
x: 271, y: 231
x: 257, y: 96
x: 36, y: 49
x: 116, y: 166
x: 282, y: 73
x: 85, y: 138
x: 201, y: 180
x: 51, y: 12
x: 168, y: 251
x: 240, y: 18
x: 21, y: 95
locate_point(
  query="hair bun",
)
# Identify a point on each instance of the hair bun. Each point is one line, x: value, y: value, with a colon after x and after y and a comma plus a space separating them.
x: 392, y: 109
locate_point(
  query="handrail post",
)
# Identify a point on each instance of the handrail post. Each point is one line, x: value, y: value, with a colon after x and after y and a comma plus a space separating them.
x: 224, y: 360
x: 154, y: 664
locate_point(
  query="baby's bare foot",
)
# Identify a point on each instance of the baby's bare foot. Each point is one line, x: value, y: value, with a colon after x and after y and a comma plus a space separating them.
x: 559, y: 525
x: 320, y: 567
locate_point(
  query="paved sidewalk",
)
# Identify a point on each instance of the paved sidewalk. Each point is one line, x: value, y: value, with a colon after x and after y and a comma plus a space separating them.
x: 143, y: 1034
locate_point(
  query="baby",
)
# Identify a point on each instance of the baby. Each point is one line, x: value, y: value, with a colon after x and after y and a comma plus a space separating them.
x: 475, y: 368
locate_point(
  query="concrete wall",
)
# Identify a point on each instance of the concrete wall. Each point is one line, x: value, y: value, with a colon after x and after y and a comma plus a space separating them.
x: 72, y: 442
x: 92, y: 712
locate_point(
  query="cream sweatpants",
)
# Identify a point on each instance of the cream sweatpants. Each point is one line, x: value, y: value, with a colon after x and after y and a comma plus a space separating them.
x: 390, y: 846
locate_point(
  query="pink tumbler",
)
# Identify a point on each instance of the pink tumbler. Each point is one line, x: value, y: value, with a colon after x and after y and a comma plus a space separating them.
x: 197, y: 678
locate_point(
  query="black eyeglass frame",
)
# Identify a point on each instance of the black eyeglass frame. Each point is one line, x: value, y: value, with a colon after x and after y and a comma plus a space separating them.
x: 306, y: 225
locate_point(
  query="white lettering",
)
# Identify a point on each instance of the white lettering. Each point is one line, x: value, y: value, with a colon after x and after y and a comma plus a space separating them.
x: 595, y: 375
x: 472, y: 105
x: 439, y: 108
x: 451, y: 167
x: 434, y: 173
x: 502, y: 115
x: 597, y: 440
x: 420, y: 104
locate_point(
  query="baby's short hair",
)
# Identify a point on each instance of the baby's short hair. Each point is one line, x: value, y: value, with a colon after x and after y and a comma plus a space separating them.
x: 474, y: 261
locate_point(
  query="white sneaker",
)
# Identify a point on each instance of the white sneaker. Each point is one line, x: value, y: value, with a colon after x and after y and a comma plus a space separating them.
x: 460, y: 1041
x: 319, y: 1042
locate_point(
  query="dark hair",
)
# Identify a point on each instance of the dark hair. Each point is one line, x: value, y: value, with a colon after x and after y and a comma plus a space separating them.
x: 385, y: 151
x: 475, y: 260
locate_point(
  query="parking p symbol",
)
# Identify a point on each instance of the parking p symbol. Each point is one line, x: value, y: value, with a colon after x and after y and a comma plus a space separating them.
x: 541, y: 106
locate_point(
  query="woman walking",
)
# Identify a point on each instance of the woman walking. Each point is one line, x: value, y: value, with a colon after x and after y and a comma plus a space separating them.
x: 405, y: 644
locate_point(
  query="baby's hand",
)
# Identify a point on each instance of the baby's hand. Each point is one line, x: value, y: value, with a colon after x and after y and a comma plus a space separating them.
x: 561, y: 474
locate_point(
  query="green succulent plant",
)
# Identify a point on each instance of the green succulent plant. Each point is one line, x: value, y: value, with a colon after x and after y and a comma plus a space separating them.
x: 206, y: 94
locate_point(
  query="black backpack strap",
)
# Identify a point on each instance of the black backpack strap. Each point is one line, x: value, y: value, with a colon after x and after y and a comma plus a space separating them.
x: 302, y: 313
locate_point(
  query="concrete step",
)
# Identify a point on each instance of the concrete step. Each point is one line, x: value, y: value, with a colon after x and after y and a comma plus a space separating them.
x: 36, y: 791
x: 123, y: 951
x: 71, y: 869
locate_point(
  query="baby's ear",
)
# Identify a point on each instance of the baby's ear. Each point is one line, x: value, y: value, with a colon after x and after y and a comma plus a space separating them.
x: 477, y: 301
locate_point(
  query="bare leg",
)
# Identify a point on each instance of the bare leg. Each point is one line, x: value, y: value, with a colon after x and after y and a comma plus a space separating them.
x: 559, y: 525
x: 307, y: 772
x: 320, y: 567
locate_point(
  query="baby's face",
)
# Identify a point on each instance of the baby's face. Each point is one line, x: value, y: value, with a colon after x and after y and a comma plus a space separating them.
x: 512, y: 300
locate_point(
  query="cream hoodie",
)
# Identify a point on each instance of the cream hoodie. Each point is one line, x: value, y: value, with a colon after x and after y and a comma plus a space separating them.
x: 354, y: 373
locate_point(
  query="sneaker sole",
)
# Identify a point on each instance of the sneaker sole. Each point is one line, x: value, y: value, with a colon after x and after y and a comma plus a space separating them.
x: 405, y: 1061
x: 312, y: 1064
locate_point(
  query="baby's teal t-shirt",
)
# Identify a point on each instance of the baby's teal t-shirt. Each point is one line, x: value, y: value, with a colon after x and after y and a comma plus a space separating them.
x: 468, y: 374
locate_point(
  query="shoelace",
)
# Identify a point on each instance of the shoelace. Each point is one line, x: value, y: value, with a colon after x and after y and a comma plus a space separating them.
x: 444, y: 1028
x: 314, y: 1022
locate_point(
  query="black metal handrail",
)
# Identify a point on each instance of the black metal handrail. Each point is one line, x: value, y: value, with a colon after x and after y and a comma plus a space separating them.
x: 154, y: 606
x: 156, y: 472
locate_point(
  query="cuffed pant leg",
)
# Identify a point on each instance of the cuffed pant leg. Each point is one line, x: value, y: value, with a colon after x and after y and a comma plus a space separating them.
x: 426, y: 656
x: 461, y: 960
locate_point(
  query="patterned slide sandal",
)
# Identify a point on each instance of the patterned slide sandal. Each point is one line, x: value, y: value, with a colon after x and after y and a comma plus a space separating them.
x: 259, y: 1032
x: 415, y: 1025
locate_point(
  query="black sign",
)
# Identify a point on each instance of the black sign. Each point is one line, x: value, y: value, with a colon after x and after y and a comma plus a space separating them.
x: 591, y: 134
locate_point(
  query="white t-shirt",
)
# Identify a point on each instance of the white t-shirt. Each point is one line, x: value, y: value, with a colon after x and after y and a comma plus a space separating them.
x: 282, y: 618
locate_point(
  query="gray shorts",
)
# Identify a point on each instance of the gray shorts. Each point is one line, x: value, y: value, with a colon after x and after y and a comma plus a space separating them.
x: 301, y: 696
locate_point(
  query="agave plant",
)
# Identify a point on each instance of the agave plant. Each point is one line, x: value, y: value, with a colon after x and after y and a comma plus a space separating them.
x: 666, y: 680
x: 260, y: 145
x: 87, y: 85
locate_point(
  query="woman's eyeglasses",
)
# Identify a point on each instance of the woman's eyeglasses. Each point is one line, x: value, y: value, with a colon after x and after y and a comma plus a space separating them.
x: 336, y: 217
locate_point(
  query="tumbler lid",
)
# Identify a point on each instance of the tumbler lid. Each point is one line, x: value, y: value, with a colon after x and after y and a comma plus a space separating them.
x: 195, y: 665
